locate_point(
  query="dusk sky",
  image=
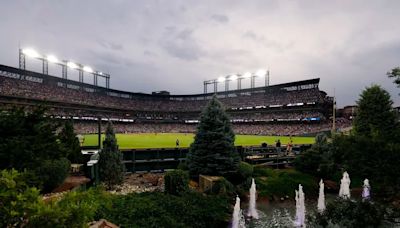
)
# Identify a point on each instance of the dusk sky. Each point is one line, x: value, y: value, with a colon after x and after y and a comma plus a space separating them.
x: 175, y: 45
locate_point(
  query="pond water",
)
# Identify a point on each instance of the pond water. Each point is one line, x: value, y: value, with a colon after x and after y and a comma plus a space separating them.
x: 282, y: 214
x: 277, y: 214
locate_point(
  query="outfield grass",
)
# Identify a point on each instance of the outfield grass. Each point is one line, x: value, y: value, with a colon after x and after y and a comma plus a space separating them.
x: 167, y: 140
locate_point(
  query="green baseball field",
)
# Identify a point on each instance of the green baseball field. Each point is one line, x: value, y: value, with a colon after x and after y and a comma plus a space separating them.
x: 167, y: 140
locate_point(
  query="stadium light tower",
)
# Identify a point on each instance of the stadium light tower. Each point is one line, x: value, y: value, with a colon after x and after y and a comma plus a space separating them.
x: 65, y: 64
x: 238, y: 77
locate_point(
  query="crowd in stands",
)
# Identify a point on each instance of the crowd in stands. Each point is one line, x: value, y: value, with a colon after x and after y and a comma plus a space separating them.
x: 268, y: 116
x: 247, y: 110
x: 36, y: 90
x: 303, y: 128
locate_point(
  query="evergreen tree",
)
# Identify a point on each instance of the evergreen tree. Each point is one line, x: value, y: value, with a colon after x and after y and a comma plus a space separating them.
x: 71, y: 143
x: 213, y: 151
x: 111, y: 169
x: 28, y: 141
x: 375, y: 117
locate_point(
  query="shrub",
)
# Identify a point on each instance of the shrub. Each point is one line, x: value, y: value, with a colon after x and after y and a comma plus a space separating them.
x: 176, y: 182
x: 245, y: 170
x: 165, y: 210
x: 223, y: 187
x: 52, y: 173
x: 182, y: 165
x: 244, y: 173
x: 260, y: 171
x: 75, y: 209
x: 281, y: 183
x: 318, y: 160
x: 349, y: 213
x: 18, y: 201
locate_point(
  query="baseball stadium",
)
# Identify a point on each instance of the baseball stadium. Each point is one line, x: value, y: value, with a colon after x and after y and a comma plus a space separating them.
x: 160, y: 127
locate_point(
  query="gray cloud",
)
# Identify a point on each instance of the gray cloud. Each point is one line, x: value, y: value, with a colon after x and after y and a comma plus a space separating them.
x: 181, y: 44
x: 220, y: 18
x: 111, y: 45
x: 148, y: 46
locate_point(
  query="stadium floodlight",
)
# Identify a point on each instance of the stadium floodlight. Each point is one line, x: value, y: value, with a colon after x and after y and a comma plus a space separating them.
x: 247, y: 75
x: 88, y: 69
x: 221, y: 79
x: 100, y: 73
x: 233, y: 77
x: 52, y: 59
x: 31, y: 53
x: 261, y: 73
x: 72, y: 65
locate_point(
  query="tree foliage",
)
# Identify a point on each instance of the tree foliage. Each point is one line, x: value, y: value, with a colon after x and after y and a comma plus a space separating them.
x: 18, y: 201
x: 111, y: 169
x: 317, y: 160
x: 350, y: 213
x: 27, y: 140
x: 213, y: 151
x: 53, y: 172
x: 75, y: 209
x: 70, y: 142
x: 165, y: 210
x: 372, y: 158
x: 395, y: 73
x: 176, y: 182
x: 375, y: 117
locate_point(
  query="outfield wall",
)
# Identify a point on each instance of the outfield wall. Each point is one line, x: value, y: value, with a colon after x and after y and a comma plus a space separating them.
x: 161, y: 160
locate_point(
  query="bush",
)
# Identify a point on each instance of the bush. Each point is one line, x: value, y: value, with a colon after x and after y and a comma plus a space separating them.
x: 176, y: 182
x: 223, y: 187
x: 75, y: 209
x: 372, y: 158
x: 260, y: 171
x: 245, y: 170
x: 317, y: 160
x: 282, y: 183
x: 182, y: 165
x: 244, y: 173
x: 164, y: 210
x: 52, y: 173
x: 349, y: 213
x: 18, y: 201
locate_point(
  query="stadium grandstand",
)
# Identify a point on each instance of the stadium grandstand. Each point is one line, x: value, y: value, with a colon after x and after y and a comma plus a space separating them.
x: 295, y: 108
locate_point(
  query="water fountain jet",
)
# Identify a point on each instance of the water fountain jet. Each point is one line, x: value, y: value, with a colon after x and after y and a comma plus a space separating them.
x: 344, y: 191
x: 252, y: 212
x: 300, y: 208
x: 321, y: 198
x: 366, y: 194
x: 237, y: 217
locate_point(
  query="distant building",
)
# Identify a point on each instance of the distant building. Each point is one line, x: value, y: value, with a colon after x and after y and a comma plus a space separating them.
x: 162, y: 93
x: 348, y: 112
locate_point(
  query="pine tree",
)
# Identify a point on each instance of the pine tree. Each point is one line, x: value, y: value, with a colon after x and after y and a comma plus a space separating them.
x: 375, y: 117
x: 111, y: 169
x: 213, y: 151
x: 71, y: 143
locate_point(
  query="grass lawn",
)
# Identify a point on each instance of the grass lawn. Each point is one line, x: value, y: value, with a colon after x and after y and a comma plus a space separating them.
x: 167, y: 140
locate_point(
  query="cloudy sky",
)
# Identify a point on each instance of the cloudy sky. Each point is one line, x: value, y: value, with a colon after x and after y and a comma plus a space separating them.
x: 174, y: 45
